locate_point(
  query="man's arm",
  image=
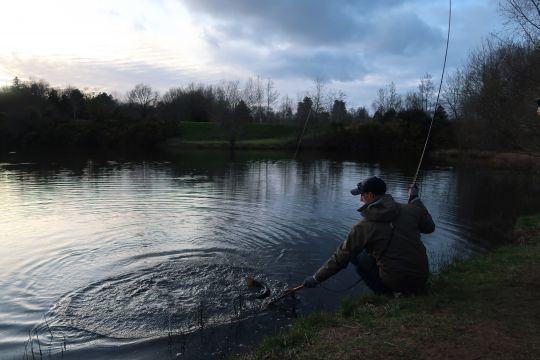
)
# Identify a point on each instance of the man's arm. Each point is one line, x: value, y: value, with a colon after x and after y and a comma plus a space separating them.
x: 426, y: 224
x: 345, y: 252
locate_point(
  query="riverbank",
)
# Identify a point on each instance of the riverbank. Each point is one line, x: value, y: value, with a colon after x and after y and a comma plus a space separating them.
x: 502, y: 160
x: 482, y: 308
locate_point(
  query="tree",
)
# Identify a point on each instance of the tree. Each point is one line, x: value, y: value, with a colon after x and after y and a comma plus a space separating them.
x: 426, y: 91
x: 229, y: 104
x: 413, y: 101
x: 452, y: 93
x: 253, y: 96
x: 143, y: 97
x: 339, y: 111
x: 75, y: 99
x: 286, y: 109
x: 318, y: 95
x: 523, y: 16
x: 360, y: 114
x: 387, y: 99
x: 271, y: 95
x: 379, y: 104
x: 303, y: 109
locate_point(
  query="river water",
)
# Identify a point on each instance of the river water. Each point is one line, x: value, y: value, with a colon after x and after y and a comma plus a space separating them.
x: 137, y: 259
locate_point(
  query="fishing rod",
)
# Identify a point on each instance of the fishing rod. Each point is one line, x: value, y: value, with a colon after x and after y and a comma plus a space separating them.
x: 438, y: 95
x: 302, y: 133
x: 286, y: 293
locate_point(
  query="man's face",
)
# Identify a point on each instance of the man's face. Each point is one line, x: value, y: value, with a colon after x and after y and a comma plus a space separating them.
x: 367, y: 197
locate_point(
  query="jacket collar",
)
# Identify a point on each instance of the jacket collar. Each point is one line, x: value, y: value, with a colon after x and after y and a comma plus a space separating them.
x: 369, y: 204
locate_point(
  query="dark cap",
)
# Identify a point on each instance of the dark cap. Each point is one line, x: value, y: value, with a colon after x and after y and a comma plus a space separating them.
x: 372, y: 184
x: 538, y: 102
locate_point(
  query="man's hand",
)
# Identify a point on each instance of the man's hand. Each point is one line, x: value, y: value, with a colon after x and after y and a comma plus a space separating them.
x: 311, y: 282
x: 413, y: 192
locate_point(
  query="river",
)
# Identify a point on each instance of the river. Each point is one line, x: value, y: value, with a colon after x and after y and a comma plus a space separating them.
x: 137, y: 259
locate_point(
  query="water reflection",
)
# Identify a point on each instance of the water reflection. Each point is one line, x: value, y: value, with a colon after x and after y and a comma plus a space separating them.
x: 108, y: 251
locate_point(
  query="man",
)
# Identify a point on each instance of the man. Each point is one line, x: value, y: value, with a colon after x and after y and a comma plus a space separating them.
x: 385, y: 245
x: 538, y: 108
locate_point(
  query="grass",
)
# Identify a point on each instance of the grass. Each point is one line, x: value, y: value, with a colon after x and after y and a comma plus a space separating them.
x: 199, y: 134
x: 481, y: 308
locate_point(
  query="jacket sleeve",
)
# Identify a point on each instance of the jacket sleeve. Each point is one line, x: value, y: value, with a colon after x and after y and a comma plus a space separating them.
x: 345, y: 252
x: 426, y: 224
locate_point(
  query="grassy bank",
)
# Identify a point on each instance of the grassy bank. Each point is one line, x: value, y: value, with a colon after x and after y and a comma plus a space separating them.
x: 487, y: 307
x: 502, y: 160
x: 213, y: 135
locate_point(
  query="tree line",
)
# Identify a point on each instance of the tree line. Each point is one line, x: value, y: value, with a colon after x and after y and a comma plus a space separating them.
x: 486, y: 104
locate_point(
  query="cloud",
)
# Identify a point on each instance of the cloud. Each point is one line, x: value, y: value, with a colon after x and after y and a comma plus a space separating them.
x: 404, y: 34
x: 107, y: 76
x: 314, y: 22
x: 329, y: 39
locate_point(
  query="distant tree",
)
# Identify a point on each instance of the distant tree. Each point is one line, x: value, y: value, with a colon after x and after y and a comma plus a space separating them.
x: 101, y: 107
x: 242, y: 113
x: 74, y: 99
x: 253, y: 96
x: 426, y: 92
x: 271, y: 95
x: 339, y: 111
x: 452, y: 93
x: 360, y: 114
x: 318, y: 95
x: 413, y: 101
x: 286, y: 111
x: 380, y: 102
x: 387, y: 99
x: 229, y: 104
x: 523, y: 16
x: 142, y: 97
x: 303, y: 109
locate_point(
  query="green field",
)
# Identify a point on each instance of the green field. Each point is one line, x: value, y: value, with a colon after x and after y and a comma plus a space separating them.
x: 210, y: 134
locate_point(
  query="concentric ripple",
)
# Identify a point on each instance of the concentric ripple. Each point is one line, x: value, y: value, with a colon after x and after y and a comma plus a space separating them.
x: 176, y: 296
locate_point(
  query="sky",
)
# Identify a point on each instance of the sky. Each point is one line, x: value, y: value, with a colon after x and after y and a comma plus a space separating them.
x: 354, y: 46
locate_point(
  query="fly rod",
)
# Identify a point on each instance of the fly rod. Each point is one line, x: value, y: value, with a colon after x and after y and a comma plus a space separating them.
x: 286, y: 293
x: 438, y: 95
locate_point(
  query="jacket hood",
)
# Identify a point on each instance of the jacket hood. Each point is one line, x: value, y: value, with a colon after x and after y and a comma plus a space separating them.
x: 383, y: 209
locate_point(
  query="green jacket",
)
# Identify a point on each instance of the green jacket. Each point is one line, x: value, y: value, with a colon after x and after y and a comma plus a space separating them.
x: 403, y: 265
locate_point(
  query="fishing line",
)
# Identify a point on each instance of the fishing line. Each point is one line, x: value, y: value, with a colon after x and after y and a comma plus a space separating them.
x: 302, y: 133
x: 438, y: 95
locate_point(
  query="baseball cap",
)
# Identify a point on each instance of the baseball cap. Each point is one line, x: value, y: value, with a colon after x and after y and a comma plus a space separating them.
x: 372, y: 184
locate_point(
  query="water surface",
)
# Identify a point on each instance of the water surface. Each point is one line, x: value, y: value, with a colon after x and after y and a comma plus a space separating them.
x: 146, y: 258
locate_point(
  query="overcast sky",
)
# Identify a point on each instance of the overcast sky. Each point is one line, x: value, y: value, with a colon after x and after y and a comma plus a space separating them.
x: 357, y: 46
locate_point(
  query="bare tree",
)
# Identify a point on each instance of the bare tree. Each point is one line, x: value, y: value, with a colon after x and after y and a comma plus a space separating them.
x: 426, y: 90
x: 259, y: 97
x: 523, y: 16
x: 394, y: 99
x: 286, y: 109
x: 318, y: 95
x: 413, y: 101
x: 452, y: 93
x: 271, y: 95
x: 379, y: 104
x: 249, y: 94
x: 387, y: 99
x: 143, y: 97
